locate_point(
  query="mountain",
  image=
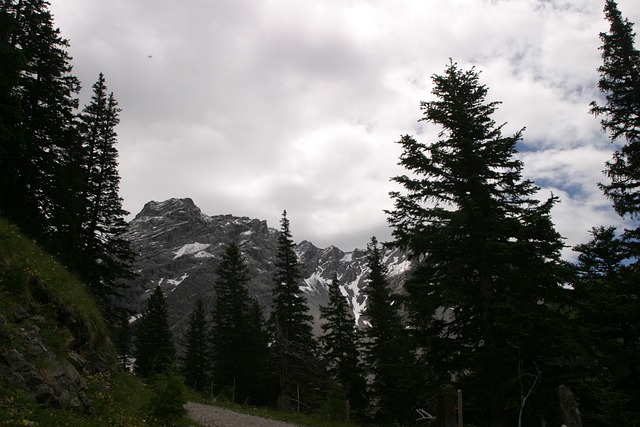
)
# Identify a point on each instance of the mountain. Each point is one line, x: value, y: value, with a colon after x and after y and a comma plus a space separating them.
x: 179, y: 248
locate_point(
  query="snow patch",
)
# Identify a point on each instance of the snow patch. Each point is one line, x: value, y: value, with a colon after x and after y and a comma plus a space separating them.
x: 348, y: 257
x: 314, y: 282
x: 203, y: 254
x: 358, y: 307
x: 397, y: 268
x: 191, y: 249
x: 176, y: 282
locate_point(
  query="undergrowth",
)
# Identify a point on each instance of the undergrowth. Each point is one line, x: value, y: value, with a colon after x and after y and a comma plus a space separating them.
x: 120, y: 401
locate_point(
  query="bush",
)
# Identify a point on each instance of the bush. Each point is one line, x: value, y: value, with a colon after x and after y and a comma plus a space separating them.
x: 167, y: 404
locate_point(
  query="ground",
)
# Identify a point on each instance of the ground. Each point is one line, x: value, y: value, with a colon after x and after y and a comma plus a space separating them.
x: 213, y: 416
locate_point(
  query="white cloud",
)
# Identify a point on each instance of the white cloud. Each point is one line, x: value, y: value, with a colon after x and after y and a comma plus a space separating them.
x: 255, y: 107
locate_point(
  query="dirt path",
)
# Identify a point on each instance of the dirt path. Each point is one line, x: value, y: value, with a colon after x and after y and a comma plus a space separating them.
x: 212, y: 416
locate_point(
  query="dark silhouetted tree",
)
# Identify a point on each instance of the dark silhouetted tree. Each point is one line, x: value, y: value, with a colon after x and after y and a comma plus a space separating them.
x: 390, y: 360
x: 340, y: 346
x: 620, y: 84
x: 293, y: 345
x: 609, y: 316
x: 195, y: 360
x: 489, y: 272
x: 155, y: 352
x: 104, y: 255
x: 239, y: 343
x: 40, y: 120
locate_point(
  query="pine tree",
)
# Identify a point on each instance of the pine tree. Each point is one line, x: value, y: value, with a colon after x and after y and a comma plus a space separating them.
x: 340, y: 346
x: 155, y: 352
x: 389, y: 356
x: 263, y: 389
x: 489, y: 273
x: 620, y: 83
x: 105, y: 255
x: 609, y: 317
x: 230, y: 318
x: 41, y: 133
x: 293, y: 345
x: 195, y: 361
x: 239, y: 346
x: 11, y: 64
x: 122, y: 340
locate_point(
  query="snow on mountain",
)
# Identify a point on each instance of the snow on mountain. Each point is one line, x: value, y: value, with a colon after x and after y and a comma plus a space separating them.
x: 179, y: 249
x: 192, y: 249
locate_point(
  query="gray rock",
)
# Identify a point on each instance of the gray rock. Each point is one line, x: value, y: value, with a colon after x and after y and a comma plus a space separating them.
x: 35, y: 369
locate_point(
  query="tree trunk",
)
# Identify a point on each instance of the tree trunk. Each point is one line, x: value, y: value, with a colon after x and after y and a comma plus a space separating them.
x: 569, y: 407
x: 446, y: 411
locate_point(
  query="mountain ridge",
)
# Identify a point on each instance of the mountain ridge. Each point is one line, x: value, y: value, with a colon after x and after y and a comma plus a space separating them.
x: 179, y: 248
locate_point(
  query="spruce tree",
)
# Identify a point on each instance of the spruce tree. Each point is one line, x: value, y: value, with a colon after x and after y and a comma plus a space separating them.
x: 388, y: 351
x: 195, y: 360
x: 155, y: 352
x: 489, y: 273
x: 609, y: 317
x: 620, y: 83
x: 229, y: 318
x: 105, y: 255
x: 263, y: 389
x: 11, y: 140
x: 340, y: 346
x: 122, y: 340
x: 239, y: 347
x: 41, y: 124
x: 293, y: 345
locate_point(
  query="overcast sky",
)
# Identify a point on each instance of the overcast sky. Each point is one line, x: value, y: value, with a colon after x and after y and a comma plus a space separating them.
x: 251, y: 107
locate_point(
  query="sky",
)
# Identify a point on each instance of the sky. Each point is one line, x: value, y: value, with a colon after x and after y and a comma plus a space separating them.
x: 253, y: 107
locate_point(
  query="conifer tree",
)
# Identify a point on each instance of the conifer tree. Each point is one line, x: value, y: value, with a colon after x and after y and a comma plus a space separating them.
x: 155, y: 352
x: 609, y: 317
x: 389, y: 356
x: 489, y: 272
x: 293, y: 345
x: 195, y: 360
x: 237, y: 336
x: 105, y: 254
x: 620, y: 83
x: 340, y: 346
x: 122, y: 340
x: 41, y: 128
x: 10, y: 112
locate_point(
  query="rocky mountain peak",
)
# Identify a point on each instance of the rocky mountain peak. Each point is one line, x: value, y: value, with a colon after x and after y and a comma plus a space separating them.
x: 178, y: 209
x: 179, y: 249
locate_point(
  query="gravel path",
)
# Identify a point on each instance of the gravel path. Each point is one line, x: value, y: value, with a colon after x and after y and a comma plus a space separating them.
x: 212, y: 416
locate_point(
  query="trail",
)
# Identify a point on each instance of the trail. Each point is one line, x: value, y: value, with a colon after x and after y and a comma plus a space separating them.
x: 213, y: 416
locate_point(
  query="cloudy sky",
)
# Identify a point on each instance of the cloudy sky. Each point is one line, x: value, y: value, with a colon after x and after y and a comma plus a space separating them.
x: 251, y: 107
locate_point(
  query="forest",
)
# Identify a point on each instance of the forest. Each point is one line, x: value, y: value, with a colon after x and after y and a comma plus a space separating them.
x: 490, y: 306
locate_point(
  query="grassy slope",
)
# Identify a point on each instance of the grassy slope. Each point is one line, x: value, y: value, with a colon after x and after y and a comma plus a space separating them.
x: 31, y: 281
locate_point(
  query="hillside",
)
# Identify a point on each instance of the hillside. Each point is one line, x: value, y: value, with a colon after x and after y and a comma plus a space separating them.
x: 57, y: 364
